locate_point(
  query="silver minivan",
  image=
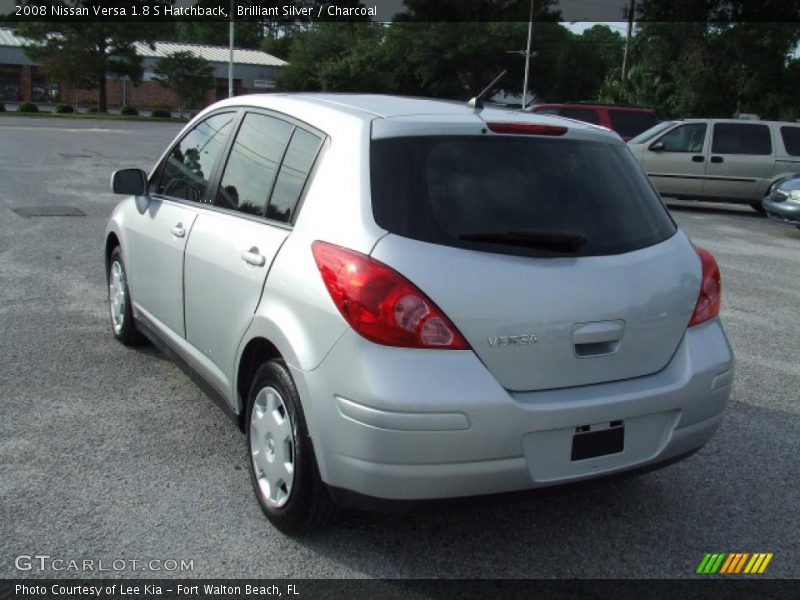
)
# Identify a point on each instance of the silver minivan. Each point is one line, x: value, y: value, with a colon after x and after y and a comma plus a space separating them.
x: 407, y: 299
x: 728, y: 160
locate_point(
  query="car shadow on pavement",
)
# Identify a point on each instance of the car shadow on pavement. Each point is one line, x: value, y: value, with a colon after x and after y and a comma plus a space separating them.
x: 735, y: 494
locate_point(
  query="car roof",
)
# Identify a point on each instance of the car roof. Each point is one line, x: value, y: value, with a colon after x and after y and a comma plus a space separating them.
x: 369, y: 107
x: 329, y: 112
x: 737, y: 121
x: 626, y: 107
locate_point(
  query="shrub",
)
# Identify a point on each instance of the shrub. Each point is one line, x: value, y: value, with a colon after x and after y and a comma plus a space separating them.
x: 27, y: 107
x: 63, y: 109
x: 93, y: 109
x: 129, y: 111
x: 161, y: 113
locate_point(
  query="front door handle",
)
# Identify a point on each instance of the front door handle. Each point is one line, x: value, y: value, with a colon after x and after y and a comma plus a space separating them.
x: 178, y: 230
x: 717, y: 159
x: 252, y: 257
x: 698, y: 158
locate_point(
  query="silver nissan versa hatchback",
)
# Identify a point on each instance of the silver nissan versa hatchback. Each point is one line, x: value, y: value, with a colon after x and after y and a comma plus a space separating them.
x: 407, y: 299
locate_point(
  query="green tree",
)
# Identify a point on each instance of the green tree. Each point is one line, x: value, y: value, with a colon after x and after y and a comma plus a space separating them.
x: 185, y: 74
x: 98, y: 48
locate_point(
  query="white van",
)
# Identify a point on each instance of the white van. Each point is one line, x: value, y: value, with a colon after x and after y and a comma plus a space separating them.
x: 725, y: 160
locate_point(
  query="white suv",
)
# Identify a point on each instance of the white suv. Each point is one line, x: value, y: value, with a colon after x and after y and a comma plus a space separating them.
x: 404, y: 299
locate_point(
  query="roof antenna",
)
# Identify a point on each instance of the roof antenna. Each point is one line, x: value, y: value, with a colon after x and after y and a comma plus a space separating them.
x: 477, y: 101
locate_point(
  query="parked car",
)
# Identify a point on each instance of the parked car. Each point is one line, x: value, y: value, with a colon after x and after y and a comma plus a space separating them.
x: 725, y: 160
x: 627, y: 121
x: 783, y: 200
x: 406, y: 299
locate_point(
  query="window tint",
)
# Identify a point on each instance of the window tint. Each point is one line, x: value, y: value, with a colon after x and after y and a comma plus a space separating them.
x: 741, y: 138
x: 791, y: 140
x: 292, y: 177
x: 253, y: 163
x: 186, y: 172
x: 648, y: 135
x: 629, y: 123
x: 587, y: 115
x: 440, y: 189
x: 686, y: 138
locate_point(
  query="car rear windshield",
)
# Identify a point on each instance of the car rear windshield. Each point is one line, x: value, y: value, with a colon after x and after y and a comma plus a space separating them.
x: 630, y: 123
x: 472, y: 191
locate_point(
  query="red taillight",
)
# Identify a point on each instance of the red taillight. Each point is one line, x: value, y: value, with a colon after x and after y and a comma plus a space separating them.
x: 710, y: 298
x: 382, y: 305
x: 527, y: 128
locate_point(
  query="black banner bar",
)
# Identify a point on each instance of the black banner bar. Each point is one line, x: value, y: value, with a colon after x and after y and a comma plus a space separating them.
x: 311, y: 11
x: 708, y: 587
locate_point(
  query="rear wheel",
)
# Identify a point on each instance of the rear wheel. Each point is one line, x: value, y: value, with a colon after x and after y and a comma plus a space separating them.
x: 119, y: 302
x: 283, y: 468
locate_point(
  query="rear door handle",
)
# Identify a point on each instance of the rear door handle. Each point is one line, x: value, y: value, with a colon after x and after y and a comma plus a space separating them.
x: 698, y: 158
x: 252, y: 257
x: 717, y: 159
x: 178, y: 230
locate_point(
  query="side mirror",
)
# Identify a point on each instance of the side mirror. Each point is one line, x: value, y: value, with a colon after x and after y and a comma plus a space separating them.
x: 657, y: 147
x: 131, y: 182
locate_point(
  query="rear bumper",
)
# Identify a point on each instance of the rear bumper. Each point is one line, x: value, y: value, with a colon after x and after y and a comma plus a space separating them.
x: 415, y: 424
x: 787, y: 210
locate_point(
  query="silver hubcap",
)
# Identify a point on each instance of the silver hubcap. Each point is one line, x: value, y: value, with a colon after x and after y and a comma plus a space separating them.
x: 272, y: 447
x: 116, y: 296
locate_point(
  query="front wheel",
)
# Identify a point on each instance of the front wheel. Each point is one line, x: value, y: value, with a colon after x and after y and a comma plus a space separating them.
x: 119, y: 302
x: 283, y: 468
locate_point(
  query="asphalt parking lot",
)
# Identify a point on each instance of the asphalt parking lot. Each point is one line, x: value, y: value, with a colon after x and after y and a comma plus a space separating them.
x: 112, y: 453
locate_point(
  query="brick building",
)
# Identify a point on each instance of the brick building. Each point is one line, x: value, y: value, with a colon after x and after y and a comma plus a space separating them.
x: 21, y: 78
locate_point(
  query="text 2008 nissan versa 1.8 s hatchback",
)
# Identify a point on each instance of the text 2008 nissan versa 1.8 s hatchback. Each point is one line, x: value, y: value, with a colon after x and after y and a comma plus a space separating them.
x: 405, y: 299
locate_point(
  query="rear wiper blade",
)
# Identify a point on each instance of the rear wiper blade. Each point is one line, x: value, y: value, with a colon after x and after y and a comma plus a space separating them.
x: 563, y: 241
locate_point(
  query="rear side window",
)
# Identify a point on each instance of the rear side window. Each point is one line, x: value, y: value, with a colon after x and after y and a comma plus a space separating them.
x: 791, y: 140
x: 186, y: 172
x: 253, y: 164
x: 741, y: 138
x: 294, y: 171
x: 449, y: 190
x: 630, y: 123
x: 587, y: 115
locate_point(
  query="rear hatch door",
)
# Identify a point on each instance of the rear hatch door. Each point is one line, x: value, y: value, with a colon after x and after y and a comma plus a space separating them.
x: 552, y: 255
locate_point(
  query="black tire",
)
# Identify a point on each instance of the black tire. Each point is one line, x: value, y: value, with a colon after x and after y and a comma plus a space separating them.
x: 309, y: 505
x: 756, y: 206
x: 125, y: 332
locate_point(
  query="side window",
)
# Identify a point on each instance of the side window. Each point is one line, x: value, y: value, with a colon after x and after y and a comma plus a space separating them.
x: 791, y: 140
x: 587, y: 115
x: 685, y: 138
x: 253, y: 164
x: 293, y: 174
x: 187, y: 169
x: 741, y: 138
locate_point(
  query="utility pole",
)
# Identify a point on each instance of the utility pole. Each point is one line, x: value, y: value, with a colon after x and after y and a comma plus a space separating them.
x: 631, y: 11
x: 527, y: 59
x: 230, y: 58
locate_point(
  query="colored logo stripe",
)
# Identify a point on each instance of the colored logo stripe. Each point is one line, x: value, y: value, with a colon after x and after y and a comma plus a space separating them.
x: 734, y: 562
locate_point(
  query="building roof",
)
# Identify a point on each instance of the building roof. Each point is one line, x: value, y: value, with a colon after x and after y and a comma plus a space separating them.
x: 218, y: 54
x: 8, y: 38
